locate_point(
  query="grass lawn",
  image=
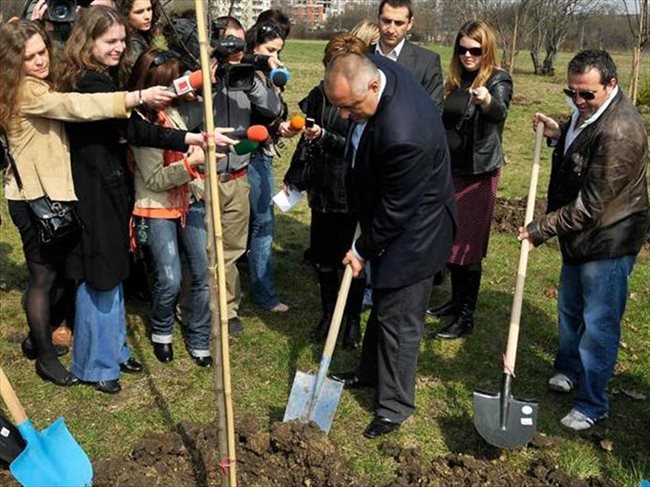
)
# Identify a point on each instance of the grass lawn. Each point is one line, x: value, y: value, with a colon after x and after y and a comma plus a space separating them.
x: 273, y: 346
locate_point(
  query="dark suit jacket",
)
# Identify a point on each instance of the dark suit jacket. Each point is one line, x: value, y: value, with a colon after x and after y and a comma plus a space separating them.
x: 425, y: 66
x: 402, y: 185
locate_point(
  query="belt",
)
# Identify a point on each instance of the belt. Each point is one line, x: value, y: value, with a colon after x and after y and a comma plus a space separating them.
x: 229, y: 176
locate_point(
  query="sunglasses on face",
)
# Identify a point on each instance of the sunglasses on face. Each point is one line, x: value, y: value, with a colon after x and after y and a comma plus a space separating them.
x: 474, y: 51
x: 585, y: 95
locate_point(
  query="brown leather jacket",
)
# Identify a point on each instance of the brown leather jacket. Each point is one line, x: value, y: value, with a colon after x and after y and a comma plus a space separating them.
x: 597, y: 195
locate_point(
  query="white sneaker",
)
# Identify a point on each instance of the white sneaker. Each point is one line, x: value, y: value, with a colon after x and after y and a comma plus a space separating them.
x: 577, y: 421
x: 560, y: 383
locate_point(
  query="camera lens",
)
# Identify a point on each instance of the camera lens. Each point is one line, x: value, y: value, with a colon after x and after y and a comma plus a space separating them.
x: 60, y: 11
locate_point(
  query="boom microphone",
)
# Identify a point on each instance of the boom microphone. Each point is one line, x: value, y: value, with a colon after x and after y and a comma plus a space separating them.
x: 187, y: 83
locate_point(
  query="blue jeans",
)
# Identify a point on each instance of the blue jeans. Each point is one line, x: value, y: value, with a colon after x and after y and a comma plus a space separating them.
x: 165, y: 235
x: 591, y: 303
x: 99, y: 334
x: 260, y: 178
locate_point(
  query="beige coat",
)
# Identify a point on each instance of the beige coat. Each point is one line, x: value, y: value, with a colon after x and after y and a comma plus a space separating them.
x: 38, y: 139
x: 152, y: 178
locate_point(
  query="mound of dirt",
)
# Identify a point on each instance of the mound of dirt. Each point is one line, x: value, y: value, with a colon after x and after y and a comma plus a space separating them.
x: 509, y: 214
x: 293, y: 454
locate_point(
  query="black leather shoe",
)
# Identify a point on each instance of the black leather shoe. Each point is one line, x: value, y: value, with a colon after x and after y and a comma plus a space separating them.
x: 447, y: 309
x: 163, y: 352
x: 202, y: 361
x: 351, y: 380
x: 29, y: 351
x: 457, y: 328
x: 108, y: 386
x: 380, y: 426
x: 65, y: 379
x: 131, y: 366
x: 235, y: 327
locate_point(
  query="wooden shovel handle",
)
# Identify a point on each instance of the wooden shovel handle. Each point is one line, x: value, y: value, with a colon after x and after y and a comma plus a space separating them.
x: 11, y: 399
x: 339, y: 309
x: 515, y: 315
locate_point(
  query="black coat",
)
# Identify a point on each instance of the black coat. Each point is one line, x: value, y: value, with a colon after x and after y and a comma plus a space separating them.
x: 104, y: 187
x: 322, y: 161
x: 425, y: 66
x: 402, y: 184
x: 98, y: 156
x: 484, y: 127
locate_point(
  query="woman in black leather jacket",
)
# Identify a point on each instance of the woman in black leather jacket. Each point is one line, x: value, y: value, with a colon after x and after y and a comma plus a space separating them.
x: 318, y: 166
x: 477, y: 96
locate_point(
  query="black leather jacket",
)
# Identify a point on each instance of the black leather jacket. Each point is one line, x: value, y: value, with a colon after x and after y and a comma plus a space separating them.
x: 486, y: 128
x: 597, y: 195
x: 326, y: 170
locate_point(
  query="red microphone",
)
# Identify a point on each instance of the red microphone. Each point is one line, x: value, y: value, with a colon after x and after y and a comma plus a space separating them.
x: 256, y: 133
x: 187, y: 83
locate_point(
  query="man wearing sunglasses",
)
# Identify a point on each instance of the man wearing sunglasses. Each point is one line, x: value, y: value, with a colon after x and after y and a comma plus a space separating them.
x: 598, y: 208
x: 395, y: 20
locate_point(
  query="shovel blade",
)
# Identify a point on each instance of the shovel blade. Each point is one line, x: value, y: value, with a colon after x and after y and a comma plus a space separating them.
x: 504, y: 424
x: 51, y: 457
x: 305, y: 406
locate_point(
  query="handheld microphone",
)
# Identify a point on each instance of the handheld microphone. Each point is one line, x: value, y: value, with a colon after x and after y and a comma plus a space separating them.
x: 297, y: 123
x: 279, y: 76
x: 256, y: 133
x: 187, y: 83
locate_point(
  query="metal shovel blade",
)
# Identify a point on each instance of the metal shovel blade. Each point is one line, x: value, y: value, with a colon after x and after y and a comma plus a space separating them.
x: 305, y: 406
x: 51, y: 457
x: 502, y: 420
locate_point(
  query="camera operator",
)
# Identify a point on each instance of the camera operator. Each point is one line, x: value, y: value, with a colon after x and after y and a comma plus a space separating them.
x: 233, y: 108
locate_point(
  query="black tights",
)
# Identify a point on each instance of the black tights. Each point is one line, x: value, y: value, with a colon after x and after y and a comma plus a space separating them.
x: 46, y: 300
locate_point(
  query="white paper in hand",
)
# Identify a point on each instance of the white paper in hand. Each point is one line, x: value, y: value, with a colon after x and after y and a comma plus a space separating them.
x: 287, y: 201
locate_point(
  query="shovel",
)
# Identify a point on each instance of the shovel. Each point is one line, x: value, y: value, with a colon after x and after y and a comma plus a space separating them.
x: 315, y: 397
x: 501, y: 419
x: 51, y: 457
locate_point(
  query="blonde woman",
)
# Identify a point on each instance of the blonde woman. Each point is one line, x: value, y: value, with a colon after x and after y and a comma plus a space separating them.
x: 477, y: 97
x: 367, y: 31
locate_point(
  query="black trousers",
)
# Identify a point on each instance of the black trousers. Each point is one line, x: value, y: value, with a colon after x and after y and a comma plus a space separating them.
x: 390, y: 347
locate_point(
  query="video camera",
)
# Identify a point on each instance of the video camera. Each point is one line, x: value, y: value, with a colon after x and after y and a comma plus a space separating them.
x: 183, y: 39
x: 64, y: 11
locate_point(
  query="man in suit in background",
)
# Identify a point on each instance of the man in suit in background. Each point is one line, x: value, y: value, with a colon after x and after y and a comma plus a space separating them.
x: 395, y: 20
x: 401, y: 188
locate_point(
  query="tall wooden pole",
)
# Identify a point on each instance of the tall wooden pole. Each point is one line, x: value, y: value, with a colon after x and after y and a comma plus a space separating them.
x: 220, y: 329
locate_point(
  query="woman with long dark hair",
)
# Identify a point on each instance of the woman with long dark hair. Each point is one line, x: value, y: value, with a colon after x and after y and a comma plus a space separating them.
x: 265, y: 38
x: 32, y: 115
x: 141, y: 16
x: 477, y: 97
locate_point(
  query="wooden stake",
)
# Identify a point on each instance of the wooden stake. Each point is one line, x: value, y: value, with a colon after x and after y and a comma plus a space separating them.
x: 220, y: 328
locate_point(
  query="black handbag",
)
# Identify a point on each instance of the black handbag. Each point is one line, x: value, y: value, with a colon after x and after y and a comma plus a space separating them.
x: 55, y: 220
x: 299, y: 173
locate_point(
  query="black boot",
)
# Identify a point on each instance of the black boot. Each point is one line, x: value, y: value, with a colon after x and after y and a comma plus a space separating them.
x: 464, y: 322
x: 451, y: 307
x: 329, y: 286
x: 352, y: 332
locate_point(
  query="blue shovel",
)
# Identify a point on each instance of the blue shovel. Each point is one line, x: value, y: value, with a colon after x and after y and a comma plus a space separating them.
x: 51, y: 457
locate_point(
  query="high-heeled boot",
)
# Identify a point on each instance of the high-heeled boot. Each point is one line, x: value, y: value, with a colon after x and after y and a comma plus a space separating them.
x: 329, y: 286
x: 464, y: 322
x: 451, y: 307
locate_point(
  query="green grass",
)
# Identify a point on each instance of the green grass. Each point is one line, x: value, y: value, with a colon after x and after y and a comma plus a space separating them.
x: 265, y: 358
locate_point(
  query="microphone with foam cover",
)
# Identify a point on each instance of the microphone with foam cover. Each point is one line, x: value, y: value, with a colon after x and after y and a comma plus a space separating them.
x: 279, y: 76
x: 187, y: 83
x: 257, y: 133
x: 297, y: 123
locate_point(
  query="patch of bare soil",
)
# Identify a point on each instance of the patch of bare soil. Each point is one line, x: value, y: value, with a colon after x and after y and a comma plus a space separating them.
x: 293, y: 454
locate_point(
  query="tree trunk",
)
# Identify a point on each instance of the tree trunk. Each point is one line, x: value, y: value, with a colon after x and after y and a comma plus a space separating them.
x: 633, y: 90
x: 513, y: 47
